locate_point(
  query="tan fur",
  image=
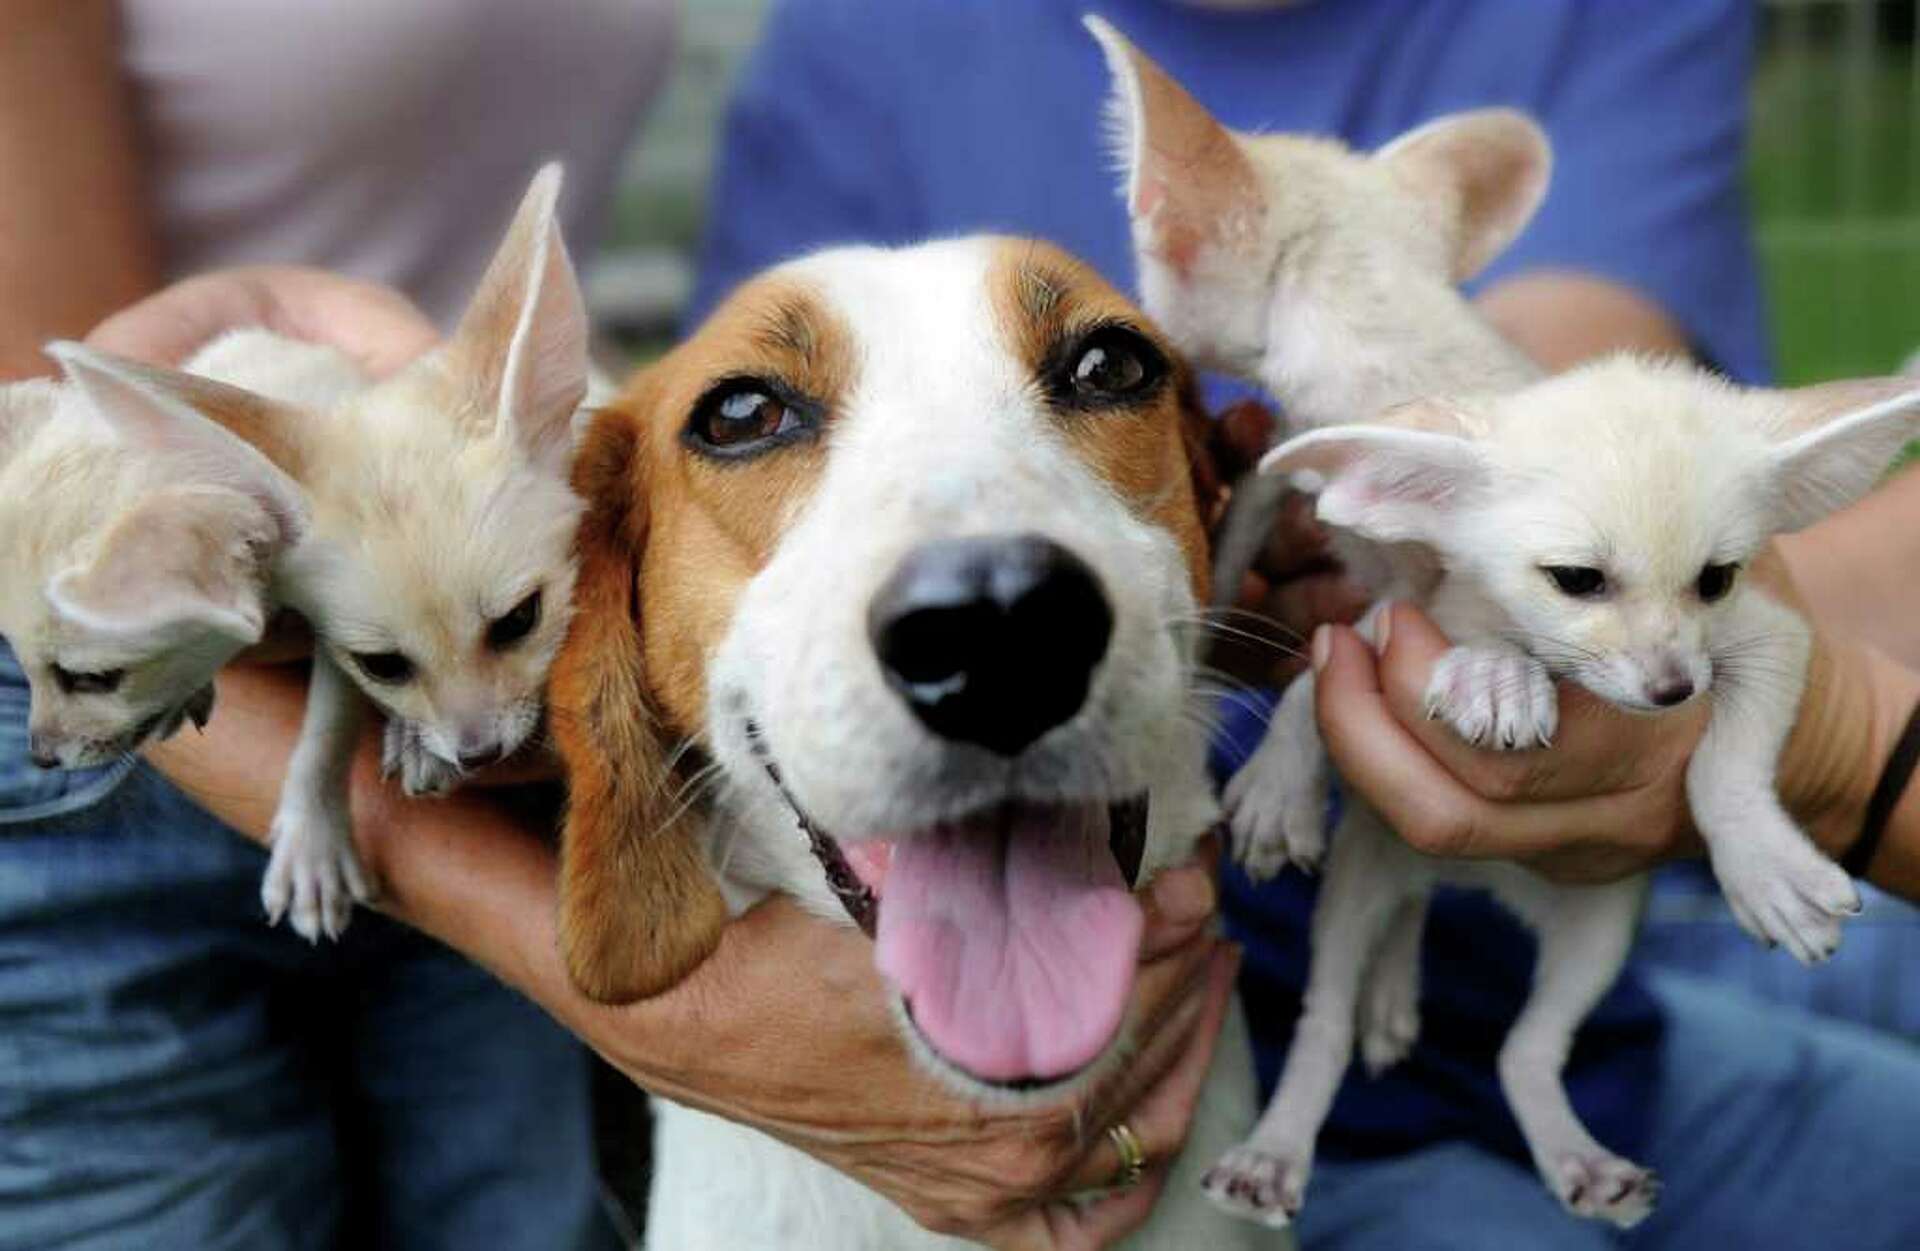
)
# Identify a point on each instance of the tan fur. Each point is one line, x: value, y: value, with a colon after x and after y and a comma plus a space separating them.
x: 1044, y: 297
x: 665, y: 546
x: 638, y: 910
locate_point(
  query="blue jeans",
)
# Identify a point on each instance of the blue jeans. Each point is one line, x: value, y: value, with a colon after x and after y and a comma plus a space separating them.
x: 1871, y: 980
x: 1771, y: 1129
x: 174, y: 1074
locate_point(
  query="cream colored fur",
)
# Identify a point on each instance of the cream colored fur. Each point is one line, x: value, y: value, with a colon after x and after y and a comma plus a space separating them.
x: 431, y: 506
x: 1328, y: 277
x: 139, y: 576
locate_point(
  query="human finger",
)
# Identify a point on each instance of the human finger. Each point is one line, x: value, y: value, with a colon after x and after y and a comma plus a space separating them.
x: 1181, y: 901
x: 1162, y: 1114
x: 375, y: 325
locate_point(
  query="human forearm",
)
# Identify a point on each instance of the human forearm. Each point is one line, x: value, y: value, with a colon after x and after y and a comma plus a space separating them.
x: 1563, y: 317
x: 1856, y: 569
x: 456, y: 868
x: 75, y: 239
x: 1856, y: 706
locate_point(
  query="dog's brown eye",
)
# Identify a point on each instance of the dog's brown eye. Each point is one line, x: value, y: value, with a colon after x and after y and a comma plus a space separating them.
x: 1577, y: 580
x: 102, y: 682
x: 744, y: 416
x: 1108, y: 370
x: 386, y: 668
x: 1715, y: 581
x: 507, y: 630
x: 1107, y: 366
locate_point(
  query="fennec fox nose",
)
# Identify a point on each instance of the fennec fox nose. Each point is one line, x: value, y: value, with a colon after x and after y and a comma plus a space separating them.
x: 1671, y: 690
x: 477, y: 746
x: 42, y: 750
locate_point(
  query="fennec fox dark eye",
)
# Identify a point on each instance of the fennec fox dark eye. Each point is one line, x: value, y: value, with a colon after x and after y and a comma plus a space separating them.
x: 514, y: 625
x: 1715, y: 581
x: 386, y: 668
x: 1578, y: 581
x: 103, y: 682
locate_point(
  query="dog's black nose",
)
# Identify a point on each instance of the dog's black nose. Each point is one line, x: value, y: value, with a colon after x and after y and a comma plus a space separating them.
x: 991, y: 641
x: 43, y: 758
x: 1672, y: 692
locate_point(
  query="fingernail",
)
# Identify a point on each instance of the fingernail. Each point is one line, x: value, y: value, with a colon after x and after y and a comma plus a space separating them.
x: 1383, y: 630
x: 1183, y: 895
x: 1322, y: 647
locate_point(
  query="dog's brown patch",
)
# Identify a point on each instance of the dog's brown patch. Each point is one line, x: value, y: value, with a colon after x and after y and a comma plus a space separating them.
x: 669, y: 541
x: 1043, y: 298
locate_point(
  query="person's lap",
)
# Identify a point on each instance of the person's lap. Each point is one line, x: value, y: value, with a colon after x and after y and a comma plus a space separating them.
x: 1869, y: 981
x: 1772, y: 1129
x: 175, y: 1074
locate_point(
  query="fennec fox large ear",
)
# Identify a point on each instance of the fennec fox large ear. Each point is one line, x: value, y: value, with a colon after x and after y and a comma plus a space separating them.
x: 186, y: 563
x: 523, y: 337
x: 1838, y: 440
x: 1484, y: 171
x: 218, y: 435
x: 1191, y: 191
x: 639, y: 909
x: 1398, y: 478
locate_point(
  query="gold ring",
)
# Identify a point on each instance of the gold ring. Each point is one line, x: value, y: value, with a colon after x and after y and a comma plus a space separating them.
x: 1133, y: 1156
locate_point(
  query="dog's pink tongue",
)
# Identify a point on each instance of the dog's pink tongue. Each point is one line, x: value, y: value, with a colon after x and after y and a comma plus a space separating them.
x: 1013, y: 941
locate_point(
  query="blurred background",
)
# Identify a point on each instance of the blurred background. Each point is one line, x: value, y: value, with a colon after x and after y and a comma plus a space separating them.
x: 1833, y: 173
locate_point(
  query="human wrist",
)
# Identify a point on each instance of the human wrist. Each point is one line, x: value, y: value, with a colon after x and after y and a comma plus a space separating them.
x: 1857, y: 701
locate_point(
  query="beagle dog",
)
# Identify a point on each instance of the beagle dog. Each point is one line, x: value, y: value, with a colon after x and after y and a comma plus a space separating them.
x: 892, y: 573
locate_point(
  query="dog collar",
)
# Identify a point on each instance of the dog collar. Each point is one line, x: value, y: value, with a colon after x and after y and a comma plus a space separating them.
x: 854, y: 895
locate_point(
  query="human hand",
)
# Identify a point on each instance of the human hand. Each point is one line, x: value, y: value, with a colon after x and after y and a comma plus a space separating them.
x: 816, y: 1059
x: 1295, y: 584
x: 787, y: 1026
x: 1609, y: 797
x: 376, y: 325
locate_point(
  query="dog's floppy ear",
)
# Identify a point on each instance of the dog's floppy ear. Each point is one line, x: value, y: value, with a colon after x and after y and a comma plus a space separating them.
x: 216, y: 434
x: 1841, y: 439
x: 639, y: 909
x: 524, y: 334
x: 1397, y: 479
x: 1485, y: 170
x: 184, y: 562
x: 1190, y: 189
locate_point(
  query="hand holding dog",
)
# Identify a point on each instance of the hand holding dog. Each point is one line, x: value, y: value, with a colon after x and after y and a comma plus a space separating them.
x: 467, y: 871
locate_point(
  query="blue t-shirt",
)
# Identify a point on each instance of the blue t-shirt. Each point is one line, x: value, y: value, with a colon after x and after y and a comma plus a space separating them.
x: 890, y: 121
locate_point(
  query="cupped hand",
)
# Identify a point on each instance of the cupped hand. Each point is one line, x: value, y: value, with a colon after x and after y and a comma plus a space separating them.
x: 376, y: 325
x: 1608, y: 798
